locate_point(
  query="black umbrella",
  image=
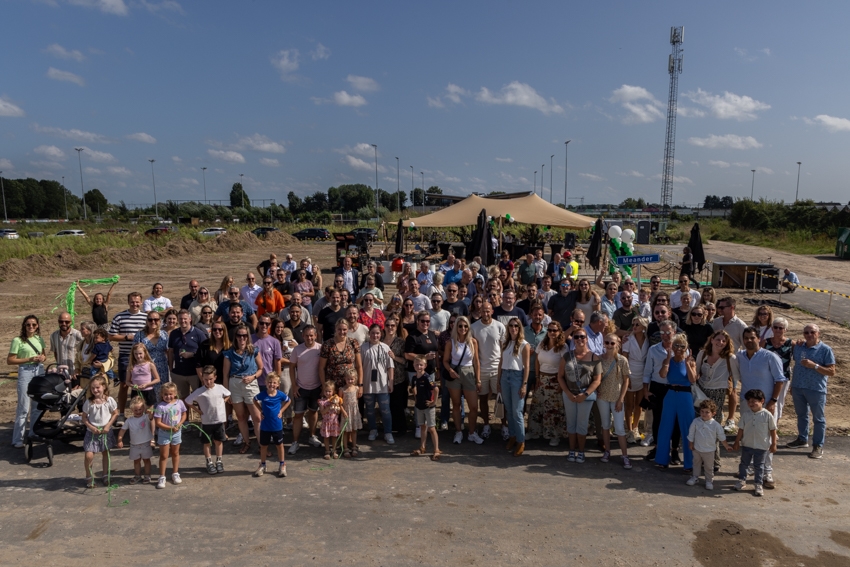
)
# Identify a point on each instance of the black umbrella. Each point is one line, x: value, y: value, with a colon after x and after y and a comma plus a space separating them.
x: 482, y: 241
x: 399, y: 238
x: 695, y: 244
x: 594, y: 251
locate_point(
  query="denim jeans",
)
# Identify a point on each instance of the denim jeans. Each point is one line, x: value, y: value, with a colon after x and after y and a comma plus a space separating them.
x: 806, y: 400
x: 757, y: 456
x: 384, y: 407
x: 511, y: 384
x: 26, y: 372
x: 578, y: 415
x: 606, y: 410
x: 768, y: 458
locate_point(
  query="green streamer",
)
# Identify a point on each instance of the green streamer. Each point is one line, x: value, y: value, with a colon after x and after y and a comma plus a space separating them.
x: 70, y: 297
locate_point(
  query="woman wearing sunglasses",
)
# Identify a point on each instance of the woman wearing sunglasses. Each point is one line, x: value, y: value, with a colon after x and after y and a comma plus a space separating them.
x: 546, y: 418
x: 242, y: 366
x: 680, y: 371
x: 155, y: 339
x: 579, y: 376
x: 27, y: 353
x: 204, y: 302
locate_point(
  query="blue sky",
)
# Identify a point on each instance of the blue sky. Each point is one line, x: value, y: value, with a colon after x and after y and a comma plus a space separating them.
x: 478, y: 95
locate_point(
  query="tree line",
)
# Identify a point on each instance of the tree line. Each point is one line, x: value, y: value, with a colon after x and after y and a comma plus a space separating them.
x: 33, y: 199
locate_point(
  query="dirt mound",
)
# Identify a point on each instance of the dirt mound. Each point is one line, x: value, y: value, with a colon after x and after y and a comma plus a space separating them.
x: 146, y: 250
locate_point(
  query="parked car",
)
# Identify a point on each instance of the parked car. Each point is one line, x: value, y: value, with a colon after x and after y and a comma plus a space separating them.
x: 370, y: 233
x: 114, y: 231
x: 213, y: 231
x: 9, y: 233
x: 313, y: 234
x: 70, y: 233
x: 159, y: 231
x: 262, y: 231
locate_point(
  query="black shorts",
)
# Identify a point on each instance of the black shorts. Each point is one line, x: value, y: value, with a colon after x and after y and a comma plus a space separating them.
x: 308, y: 400
x: 148, y: 395
x: 271, y: 437
x: 214, y: 431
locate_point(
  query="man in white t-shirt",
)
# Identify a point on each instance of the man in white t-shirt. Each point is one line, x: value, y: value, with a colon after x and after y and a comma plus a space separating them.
x: 420, y: 301
x: 439, y: 316
x: 306, y: 386
x: 684, y: 298
x: 489, y: 333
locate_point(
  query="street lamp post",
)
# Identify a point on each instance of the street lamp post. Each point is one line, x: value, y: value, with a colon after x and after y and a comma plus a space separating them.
x: 242, y: 188
x: 65, y: 194
x: 552, y: 157
x: 535, y: 182
x: 3, y: 190
x: 423, y: 191
x: 377, y: 199
x: 204, y: 174
x: 153, y: 180
x: 398, y: 185
x: 412, y: 202
x: 753, y: 186
x: 797, y: 195
x: 82, y: 190
x: 542, y: 171
x: 566, y: 168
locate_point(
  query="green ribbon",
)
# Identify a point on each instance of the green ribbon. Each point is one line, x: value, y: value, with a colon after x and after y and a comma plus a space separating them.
x: 70, y: 297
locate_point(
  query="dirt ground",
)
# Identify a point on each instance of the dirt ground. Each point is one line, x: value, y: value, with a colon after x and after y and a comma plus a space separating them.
x: 478, y: 505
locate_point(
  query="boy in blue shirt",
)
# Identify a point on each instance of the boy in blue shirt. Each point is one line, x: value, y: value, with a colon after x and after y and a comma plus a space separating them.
x: 271, y: 403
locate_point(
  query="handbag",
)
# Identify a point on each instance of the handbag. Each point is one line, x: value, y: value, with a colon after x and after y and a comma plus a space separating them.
x: 456, y: 367
x: 499, y: 410
x: 698, y: 395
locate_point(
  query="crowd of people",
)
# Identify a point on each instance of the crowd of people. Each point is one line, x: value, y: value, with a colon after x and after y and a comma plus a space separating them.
x: 563, y: 356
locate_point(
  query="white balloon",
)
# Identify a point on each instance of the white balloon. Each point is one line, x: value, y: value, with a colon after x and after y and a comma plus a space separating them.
x: 411, y: 224
x: 615, y: 231
x: 628, y: 236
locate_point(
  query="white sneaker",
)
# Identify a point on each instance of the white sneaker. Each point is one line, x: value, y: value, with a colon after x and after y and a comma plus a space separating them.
x: 161, y: 482
x: 730, y: 427
x: 630, y: 437
x: 304, y: 422
x: 759, y: 490
x: 238, y: 440
x: 389, y: 439
x: 740, y: 485
x: 692, y: 481
x: 505, y: 434
x: 293, y: 448
x: 418, y: 433
x: 314, y: 441
x: 444, y: 426
x: 373, y: 434
x: 647, y: 441
x: 485, y: 433
x: 554, y: 441
x: 175, y: 478
x: 474, y: 437
x: 709, y: 486
x: 458, y: 438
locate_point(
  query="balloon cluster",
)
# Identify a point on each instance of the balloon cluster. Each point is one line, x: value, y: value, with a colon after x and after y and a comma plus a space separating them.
x: 620, y: 243
x: 509, y: 218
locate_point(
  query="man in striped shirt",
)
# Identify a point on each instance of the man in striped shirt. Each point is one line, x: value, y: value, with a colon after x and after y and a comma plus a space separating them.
x: 124, y: 327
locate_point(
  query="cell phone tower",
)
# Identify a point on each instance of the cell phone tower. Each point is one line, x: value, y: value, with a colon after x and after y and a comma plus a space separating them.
x: 674, y: 67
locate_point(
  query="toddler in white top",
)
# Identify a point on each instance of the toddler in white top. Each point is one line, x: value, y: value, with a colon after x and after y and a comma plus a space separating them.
x: 703, y: 435
x: 140, y: 427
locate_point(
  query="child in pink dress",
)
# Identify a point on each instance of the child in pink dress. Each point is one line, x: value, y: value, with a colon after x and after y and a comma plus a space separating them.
x: 331, y: 408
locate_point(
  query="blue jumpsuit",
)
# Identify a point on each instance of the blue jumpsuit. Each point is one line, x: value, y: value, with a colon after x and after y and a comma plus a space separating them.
x: 678, y: 406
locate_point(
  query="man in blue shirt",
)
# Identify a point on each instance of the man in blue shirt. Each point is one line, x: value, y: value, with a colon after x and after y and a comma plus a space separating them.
x: 454, y: 275
x: 223, y: 311
x: 814, y: 364
x: 760, y: 370
x: 790, y: 281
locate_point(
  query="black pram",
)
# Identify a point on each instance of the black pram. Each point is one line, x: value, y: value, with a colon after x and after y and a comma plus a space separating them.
x: 51, y: 392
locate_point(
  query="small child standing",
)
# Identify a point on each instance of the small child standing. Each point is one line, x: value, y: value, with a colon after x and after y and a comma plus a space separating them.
x: 99, y: 413
x: 169, y: 416
x: 271, y: 403
x: 703, y: 435
x: 211, y: 400
x: 756, y: 436
x: 331, y: 408
x: 425, y: 394
x: 99, y: 353
x: 644, y: 296
x: 142, y: 375
x: 140, y: 427
x: 348, y: 393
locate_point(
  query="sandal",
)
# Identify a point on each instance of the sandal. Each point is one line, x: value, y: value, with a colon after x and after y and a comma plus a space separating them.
x: 90, y: 482
x: 346, y: 454
x: 418, y: 452
x: 246, y: 447
x: 327, y: 455
x: 436, y: 455
x: 136, y: 479
x: 355, y: 452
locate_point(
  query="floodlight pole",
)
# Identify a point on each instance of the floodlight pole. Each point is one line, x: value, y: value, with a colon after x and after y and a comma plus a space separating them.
x: 204, y: 174
x: 82, y: 190
x: 753, y: 186
x: 153, y: 180
x: 797, y: 195
x: 377, y: 200
x: 398, y: 184
x: 552, y: 157
x: 566, y: 168
x: 65, y: 194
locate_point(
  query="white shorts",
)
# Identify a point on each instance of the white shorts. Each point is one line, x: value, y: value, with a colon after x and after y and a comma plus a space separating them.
x: 489, y: 383
x: 143, y: 451
x: 241, y: 392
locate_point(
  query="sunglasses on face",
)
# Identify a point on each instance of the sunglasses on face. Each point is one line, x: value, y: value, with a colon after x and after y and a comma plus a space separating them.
x: 64, y: 322
x: 264, y: 324
x: 153, y: 320
x: 680, y: 347
x: 233, y: 294
x: 206, y: 312
x: 666, y: 332
x: 515, y: 326
x: 203, y: 293
x: 267, y: 283
x: 580, y: 337
x: 218, y: 330
x: 699, y: 314
x: 368, y: 301
x: 611, y: 343
x: 424, y: 320
x: 779, y: 327
x: 810, y: 332
x: 241, y: 336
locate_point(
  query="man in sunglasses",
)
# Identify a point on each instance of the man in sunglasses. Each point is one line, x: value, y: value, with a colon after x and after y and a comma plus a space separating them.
x: 814, y: 364
x: 183, y: 343
x: 250, y: 290
x: 63, y: 343
x: 122, y: 330
x: 655, y: 389
x: 283, y: 285
x: 453, y: 304
x: 562, y: 305
x: 489, y: 333
x: 187, y: 299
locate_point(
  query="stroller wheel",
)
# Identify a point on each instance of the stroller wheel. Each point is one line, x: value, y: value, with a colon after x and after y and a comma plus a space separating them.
x: 28, y: 450
x: 49, y: 454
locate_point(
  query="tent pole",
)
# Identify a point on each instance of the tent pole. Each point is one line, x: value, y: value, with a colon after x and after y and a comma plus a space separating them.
x: 501, y: 236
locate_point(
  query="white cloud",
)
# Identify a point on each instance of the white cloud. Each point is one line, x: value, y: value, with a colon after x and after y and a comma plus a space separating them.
x: 286, y: 62
x: 831, y: 123
x: 5, y: 164
x: 67, y: 76
x: 9, y: 109
x: 120, y: 170
x: 361, y: 165
x: 361, y: 149
x: 720, y: 164
x: 632, y: 173
x: 100, y: 157
x: 765, y: 170
x: 189, y: 181
x: 231, y: 157
x: 741, y: 164
x: 454, y: 92
x: 730, y: 141
x: 47, y: 164
x: 676, y: 179
x: 116, y: 7
x: 765, y: 50
x: 642, y: 106
x: 476, y: 180
x: 504, y: 159
x: 260, y: 143
x: 363, y: 84
x: 164, y: 6
x: 728, y: 105
x: 91, y: 171
x: 142, y: 137
x: 321, y: 52
x: 450, y: 179
x: 50, y: 152
x: 519, y: 94
x: 435, y: 102
x: 342, y: 98
x: 687, y: 112
x: 269, y: 162
x: 57, y: 50
x: 591, y: 176
x: 176, y: 159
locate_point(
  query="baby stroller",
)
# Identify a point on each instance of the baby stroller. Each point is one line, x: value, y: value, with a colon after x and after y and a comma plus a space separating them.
x: 51, y: 392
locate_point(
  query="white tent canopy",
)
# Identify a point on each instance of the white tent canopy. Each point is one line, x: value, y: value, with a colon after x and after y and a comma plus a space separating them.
x: 530, y: 209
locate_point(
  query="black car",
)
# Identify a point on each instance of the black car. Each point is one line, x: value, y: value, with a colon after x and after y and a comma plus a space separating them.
x: 262, y: 231
x: 158, y: 231
x: 312, y: 234
x: 369, y: 233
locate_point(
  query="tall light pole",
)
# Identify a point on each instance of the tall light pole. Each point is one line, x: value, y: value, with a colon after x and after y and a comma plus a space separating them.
x: 423, y: 191
x: 542, y: 171
x: 204, y: 174
x: 377, y: 200
x: 535, y: 182
x: 566, y: 168
x: 65, y: 194
x: 552, y: 157
x: 412, y: 202
x: 398, y: 184
x: 155, y: 203
x: 753, y: 186
x: 242, y: 188
x: 797, y: 195
x: 3, y: 190
x: 82, y: 190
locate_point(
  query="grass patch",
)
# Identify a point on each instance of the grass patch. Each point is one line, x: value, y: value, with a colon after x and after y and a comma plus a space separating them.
x: 798, y: 241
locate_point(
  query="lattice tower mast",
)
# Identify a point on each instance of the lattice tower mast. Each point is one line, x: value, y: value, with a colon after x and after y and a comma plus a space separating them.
x: 674, y: 67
